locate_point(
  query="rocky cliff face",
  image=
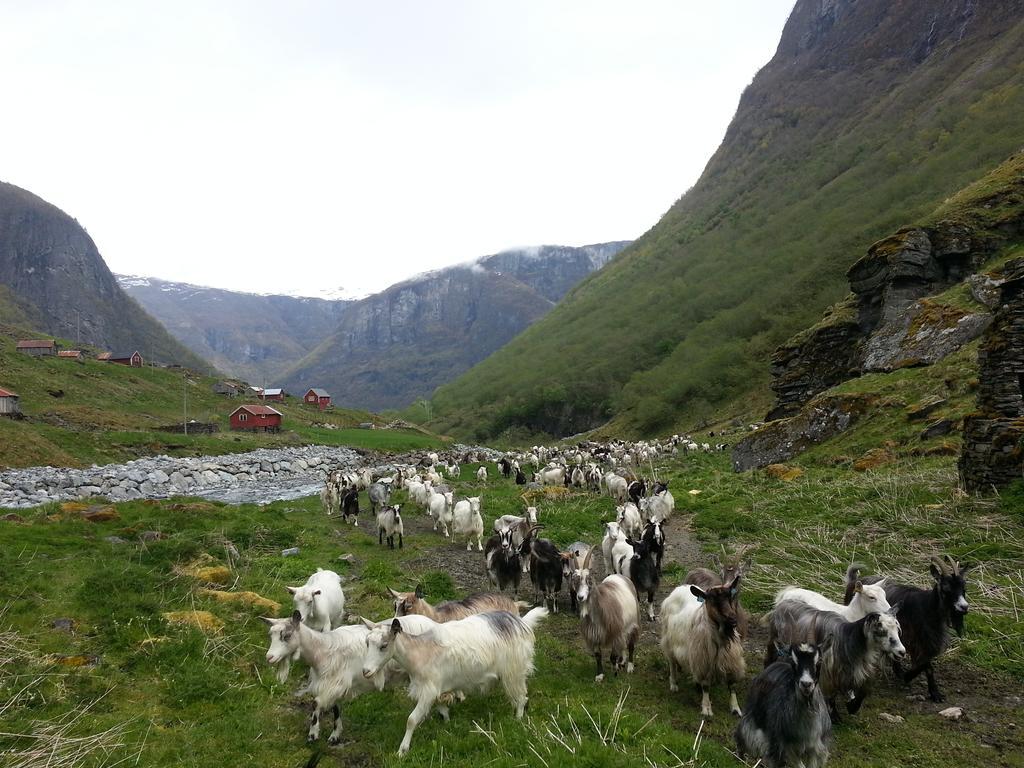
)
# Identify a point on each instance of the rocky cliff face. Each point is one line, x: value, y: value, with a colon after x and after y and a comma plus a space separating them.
x: 400, y: 344
x: 53, y: 269
x: 250, y: 336
x: 993, y: 446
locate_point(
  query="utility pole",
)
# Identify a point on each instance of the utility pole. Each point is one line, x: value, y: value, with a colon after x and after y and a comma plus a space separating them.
x: 184, y: 400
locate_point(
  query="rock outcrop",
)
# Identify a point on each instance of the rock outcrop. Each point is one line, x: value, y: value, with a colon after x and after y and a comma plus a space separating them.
x: 61, y: 283
x: 993, y: 443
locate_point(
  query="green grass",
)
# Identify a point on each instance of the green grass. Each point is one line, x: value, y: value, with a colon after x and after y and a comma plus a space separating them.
x: 683, y: 322
x: 108, y: 413
x: 185, y: 698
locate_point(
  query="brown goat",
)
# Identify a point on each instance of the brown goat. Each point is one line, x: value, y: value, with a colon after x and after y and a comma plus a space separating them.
x: 727, y: 569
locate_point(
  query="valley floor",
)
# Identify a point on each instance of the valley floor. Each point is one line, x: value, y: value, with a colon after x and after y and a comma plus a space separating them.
x: 133, y: 686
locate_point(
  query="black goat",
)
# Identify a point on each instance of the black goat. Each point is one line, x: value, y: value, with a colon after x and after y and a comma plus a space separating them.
x: 520, y: 477
x: 543, y: 561
x: 636, y: 490
x: 926, y: 614
x: 350, y: 505
x: 642, y: 569
x: 502, y: 561
x: 785, y: 720
x: 505, y: 466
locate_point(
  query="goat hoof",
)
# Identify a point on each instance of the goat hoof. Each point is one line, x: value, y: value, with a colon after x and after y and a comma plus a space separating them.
x: 629, y: 668
x: 673, y: 688
x: 310, y: 738
x: 738, y: 712
x: 334, y: 740
x: 599, y: 678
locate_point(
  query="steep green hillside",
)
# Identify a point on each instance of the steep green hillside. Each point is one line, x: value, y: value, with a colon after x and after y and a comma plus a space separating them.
x: 54, y: 277
x: 869, y: 115
x: 93, y: 412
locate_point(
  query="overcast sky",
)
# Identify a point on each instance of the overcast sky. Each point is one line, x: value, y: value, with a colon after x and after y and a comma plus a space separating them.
x: 303, y: 147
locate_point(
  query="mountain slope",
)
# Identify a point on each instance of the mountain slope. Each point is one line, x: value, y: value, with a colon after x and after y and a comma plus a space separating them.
x: 247, y: 335
x: 868, y: 116
x: 60, y: 284
x: 402, y: 343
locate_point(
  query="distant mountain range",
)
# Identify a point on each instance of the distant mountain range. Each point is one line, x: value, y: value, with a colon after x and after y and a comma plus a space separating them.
x: 384, y: 351
x: 251, y: 336
x: 54, y: 281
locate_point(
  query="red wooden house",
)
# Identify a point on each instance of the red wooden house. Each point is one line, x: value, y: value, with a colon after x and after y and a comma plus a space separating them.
x: 317, y: 397
x: 256, y: 418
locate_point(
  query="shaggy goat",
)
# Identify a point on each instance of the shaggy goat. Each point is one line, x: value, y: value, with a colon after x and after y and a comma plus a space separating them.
x: 466, y: 521
x: 856, y: 650
x: 786, y: 720
x: 379, y: 495
x: 350, y: 505
x: 609, y: 618
x: 925, y: 614
x: 642, y: 568
x: 702, y: 633
x: 543, y: 561
x: 467, y: 654
x: 867, y: 598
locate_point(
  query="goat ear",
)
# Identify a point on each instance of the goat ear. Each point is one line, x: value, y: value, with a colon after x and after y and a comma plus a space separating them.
x: 734, y: 585
x: 825, y: 644
x: 858, y: 586
x: 369, y: 624
x: 894, y: 609
x: 965, y: 567
x: 266, y: 620
x: 782, y: 649
x: 699, y: 593
x: 296, y: 618
x: 934, y: 571
x: 292, y: 590
x: 396, y: 627
x: 394, y: 594
x: 420, y: 594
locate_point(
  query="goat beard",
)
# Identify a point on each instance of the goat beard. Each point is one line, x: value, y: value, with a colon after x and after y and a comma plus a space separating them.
x: 956, y: 621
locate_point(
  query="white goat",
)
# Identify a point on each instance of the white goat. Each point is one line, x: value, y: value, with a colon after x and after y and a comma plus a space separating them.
x: 629, y: 519
x: 867, y: 598
x: 389, y: 522
x: 437, y: 508
x: 466, y: 520
x: 612, y: 534
x: 463, y: 655
x: 320, y: 601
x: 618, y: 487
x: 335, y: 659
x: 481, y: 475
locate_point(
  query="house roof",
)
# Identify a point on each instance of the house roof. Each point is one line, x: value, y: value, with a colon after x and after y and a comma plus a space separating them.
x: 36, y: 344
x: 257, y: 410
x: 7, y: 393
x: 318, y: 392
x: 69, y: 353
x: 120, y: 356
x: 103, y: 356
x: 276, y: 391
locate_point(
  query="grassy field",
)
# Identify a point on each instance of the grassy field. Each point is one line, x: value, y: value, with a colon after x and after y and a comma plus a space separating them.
x: 92, y: 412
x: 153, y: 693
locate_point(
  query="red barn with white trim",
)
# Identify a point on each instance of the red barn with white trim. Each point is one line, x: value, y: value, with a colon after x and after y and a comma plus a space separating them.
x: 256, y: 418
x: 317, y: 397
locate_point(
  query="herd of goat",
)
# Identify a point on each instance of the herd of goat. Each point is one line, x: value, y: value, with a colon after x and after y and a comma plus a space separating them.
x: 820, y: 654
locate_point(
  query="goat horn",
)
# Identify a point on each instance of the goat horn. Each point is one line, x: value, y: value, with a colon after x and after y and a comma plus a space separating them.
x: 941, y: 565
x: 586, y: 560
x: 954, y: 565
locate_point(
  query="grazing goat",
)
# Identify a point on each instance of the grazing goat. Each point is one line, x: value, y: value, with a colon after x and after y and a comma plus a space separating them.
x: 350, y: 505
x: 505, y: 467
x: 467, y: 654
x: 336, y: 661
x: 618, y: 487
x: 389, y: 522
x: 856, y: 649
x: 415, y: 604
x: 520, y: 477
x: 867, y: 598
x: 466, y: 521
x: 550, y: 476
x: 481, y: 475
x: 925, y: 614
x: 702, y: 632
x: 501, y: 558
x: 609, y: 618
x: 543, y: 561
x: 786, y: 722
x: 379, y: 495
